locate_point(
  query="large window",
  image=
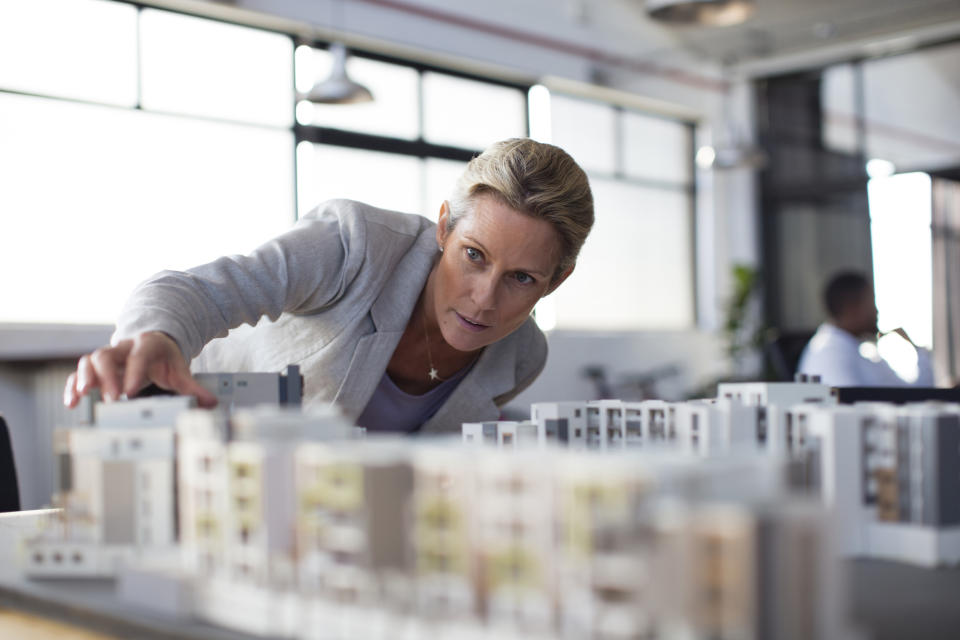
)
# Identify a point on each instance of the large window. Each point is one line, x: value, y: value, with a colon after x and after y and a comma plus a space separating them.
x: 165, y: 164
x: 136, y: 139
x: 872, y: 107
x: 636, y: 268
x: 96, y: 199
x: 900, y: 217
x: 405, y: 149
x: 89, y: 52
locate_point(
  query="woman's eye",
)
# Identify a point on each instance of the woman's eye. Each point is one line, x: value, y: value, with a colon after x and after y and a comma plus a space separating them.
x: 523, y: 278
x: 473, y: 254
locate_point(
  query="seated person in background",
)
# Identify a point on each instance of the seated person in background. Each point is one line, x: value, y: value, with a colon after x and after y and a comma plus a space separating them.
x: 833, y: 353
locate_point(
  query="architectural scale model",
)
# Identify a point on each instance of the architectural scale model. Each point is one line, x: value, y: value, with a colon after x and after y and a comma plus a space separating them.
x: 241, y: 510
x: 888, y: 473
x: 251, y: 389
x: 115, y: 477
x: 743, y: 413
x: 115, y: 490
x: 891, y: 476
x: 715, y: 518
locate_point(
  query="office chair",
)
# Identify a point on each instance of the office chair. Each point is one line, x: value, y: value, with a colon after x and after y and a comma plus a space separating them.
x: 782, y: 352
x: 9, y: 490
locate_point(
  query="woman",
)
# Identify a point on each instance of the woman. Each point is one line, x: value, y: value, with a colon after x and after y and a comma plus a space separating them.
x: 405, y: 324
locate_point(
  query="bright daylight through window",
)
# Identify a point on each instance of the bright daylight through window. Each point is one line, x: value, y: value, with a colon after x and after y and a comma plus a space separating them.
x: 900, y: 214
x: 185, y: 135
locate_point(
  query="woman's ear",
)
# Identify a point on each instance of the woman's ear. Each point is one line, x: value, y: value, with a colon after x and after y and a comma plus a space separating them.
x: 442, y: 222
x: 563, y: 276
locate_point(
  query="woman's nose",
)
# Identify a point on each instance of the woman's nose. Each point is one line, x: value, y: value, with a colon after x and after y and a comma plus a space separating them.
x: 484, y: 292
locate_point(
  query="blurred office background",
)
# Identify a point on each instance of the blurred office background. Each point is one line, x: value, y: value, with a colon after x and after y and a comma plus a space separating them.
x: 734, y: 167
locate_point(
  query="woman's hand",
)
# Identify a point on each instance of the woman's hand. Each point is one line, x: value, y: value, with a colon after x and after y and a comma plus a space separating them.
x: 130, y: 365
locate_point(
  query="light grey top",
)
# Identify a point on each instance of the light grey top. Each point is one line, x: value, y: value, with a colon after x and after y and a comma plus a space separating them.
x: 332, y: 295
x: 392, y: 409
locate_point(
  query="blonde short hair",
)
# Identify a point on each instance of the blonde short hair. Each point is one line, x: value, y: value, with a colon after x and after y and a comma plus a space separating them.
x: 535, y: 178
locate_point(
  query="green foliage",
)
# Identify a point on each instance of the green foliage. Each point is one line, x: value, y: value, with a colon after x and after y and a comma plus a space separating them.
x: 740, y: 339
x: 742, y: 333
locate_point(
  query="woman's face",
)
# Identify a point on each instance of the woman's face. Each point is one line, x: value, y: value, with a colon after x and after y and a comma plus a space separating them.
x: 496, y: 264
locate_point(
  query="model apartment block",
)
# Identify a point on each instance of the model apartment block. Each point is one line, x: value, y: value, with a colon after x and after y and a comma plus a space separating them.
x: 890, y: 474
x: 718, y: 518
x: 115, y: 490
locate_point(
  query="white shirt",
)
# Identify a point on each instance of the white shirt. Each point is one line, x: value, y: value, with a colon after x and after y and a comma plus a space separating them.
x: 834, y: 355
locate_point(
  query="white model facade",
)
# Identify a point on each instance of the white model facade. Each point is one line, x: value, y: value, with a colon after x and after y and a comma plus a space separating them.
x: 255, y: 583
x: 890, y: 474
x: 115, y: 481
x: 513, y: 510
x: 684, y: 526
x: 774, y: 400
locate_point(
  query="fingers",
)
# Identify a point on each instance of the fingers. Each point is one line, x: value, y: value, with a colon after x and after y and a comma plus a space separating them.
x: 70, y: 395
x: 107, y: 366
x: 135, y: 374
x: 86, y: 376
x: 129, y: 366
x: 101, y: 369
x: 186, y: 385
x: 153, y: 356
x: 157, y: 358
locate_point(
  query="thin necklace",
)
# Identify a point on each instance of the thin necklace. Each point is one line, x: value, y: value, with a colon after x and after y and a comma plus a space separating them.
x: 433, y: 373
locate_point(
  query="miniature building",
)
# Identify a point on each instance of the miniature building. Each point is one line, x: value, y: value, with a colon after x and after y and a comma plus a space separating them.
x: 442, y: 532
x: 603, y: 424
x: 604, y: 578
x: 515, y: 541
x: 289, y: 526
x: 657, y: 421
x: 115, y: 488
x: 733, y: 571
x: 774, y: 399
x: 564, y: 421
x: 890, y: 475
x: 352, y: 537
x: 481, y: 433
x: 250, y: 389
x: 711, y: 427
x: 257, y: 589
x: 505, y: 433
x: 203, y: 495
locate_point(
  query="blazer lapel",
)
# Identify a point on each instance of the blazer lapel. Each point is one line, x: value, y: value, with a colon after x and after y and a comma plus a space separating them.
x: 371, y: 354
x: 390, y: 313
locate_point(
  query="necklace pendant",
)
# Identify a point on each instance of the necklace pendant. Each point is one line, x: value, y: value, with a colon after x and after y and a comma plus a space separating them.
x: 433, y: 374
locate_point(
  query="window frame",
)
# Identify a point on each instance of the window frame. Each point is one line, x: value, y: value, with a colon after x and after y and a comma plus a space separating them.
x: 418, y: 147
x: 689, y: 189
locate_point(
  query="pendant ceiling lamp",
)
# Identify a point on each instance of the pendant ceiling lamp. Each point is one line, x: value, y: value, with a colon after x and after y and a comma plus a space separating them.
x: 338, y: 88
x: 715, y: 13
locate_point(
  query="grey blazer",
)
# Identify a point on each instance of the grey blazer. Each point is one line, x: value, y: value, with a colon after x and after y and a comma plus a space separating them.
x: 332, y: 295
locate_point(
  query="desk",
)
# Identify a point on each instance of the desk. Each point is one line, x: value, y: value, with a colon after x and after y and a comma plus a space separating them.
x: 79, y: 604
x: 889, y: 601
x: 23, y: 626
x: 896, y: 601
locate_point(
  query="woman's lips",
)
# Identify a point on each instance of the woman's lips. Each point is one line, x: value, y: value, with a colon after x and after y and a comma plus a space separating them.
x: 468, y: 325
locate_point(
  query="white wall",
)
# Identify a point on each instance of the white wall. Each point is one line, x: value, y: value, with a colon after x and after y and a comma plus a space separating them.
x: 696, y: 355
